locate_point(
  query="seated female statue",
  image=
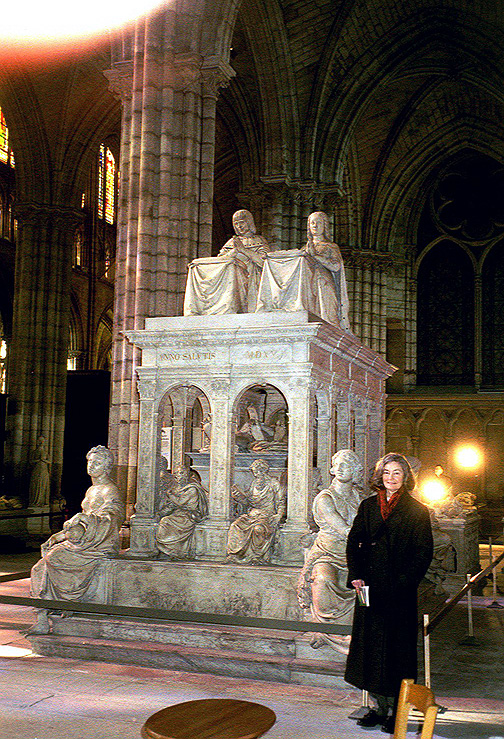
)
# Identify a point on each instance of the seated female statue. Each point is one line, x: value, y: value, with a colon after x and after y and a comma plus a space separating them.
x: 322, y: 584
x: 186, y: 505
x: 70, y: 558
x: 251, y: 536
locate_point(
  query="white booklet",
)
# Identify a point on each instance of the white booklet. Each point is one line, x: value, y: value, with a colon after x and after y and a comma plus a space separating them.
x: 363, y: 595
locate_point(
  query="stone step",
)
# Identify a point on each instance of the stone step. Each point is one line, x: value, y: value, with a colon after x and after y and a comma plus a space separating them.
x: 230, y: 651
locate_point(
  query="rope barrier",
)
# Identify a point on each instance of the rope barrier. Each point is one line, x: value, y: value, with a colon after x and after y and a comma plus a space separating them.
x: 158, y: 614
x: 429, y: 624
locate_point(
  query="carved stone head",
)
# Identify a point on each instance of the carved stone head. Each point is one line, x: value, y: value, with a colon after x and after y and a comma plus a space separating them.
x: 101, y: 455
x: 347, y: 467
x: 318, y: 226
x: 243, y: 223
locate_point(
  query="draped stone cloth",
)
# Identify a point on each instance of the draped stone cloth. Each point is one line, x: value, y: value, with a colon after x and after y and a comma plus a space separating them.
x: 227, y: 283
x: 68, y: 569
x: 294, y: 280
x: 188, y: 506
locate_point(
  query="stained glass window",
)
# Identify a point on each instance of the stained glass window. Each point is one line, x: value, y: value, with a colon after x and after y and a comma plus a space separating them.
x: 106, y: 184
x: 109, y: 187
x: 4, y: 139
x: 101, y: 179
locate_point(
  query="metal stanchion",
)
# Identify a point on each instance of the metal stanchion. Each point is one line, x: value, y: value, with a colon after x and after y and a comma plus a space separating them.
x: 426, y: 643
x: 495, y: 603
x: 364, y: 706
x: 469, y: 639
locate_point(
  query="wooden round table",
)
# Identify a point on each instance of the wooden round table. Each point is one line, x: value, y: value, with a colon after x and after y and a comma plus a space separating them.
x: 211, y: 718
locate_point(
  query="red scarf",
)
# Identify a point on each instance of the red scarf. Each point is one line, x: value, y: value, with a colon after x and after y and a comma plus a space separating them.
x: 387, y: 506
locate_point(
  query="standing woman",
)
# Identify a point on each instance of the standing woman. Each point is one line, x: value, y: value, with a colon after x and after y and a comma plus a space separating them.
x: 389, y: 549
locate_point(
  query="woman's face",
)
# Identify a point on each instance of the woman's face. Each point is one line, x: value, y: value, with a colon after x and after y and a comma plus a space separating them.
x: 393, y: 477
x: 96, y: 465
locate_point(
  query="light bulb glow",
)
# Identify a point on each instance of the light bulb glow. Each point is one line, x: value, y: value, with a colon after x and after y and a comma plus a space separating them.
x: 433, y: 491
x: 53, y: 20
x: 468, y: 457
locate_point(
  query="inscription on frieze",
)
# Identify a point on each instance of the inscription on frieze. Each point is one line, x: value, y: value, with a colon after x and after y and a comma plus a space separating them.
x: 243, y: 354
x: 186, y: 356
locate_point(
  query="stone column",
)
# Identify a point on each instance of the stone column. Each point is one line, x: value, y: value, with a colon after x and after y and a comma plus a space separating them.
x: 143, y: 521
x: 361, y: 433
x: 299, y: 473
x: 38, y: 350
x: 165, y: 204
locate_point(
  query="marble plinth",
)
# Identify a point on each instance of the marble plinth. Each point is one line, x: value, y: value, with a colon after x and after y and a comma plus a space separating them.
x: 464, y: 535
x: 245, y: 590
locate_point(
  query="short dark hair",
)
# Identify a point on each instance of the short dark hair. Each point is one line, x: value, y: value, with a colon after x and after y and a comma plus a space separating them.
x: 376, y: 480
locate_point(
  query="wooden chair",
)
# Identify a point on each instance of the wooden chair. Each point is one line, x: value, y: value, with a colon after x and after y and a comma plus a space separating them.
x: 422, y: 698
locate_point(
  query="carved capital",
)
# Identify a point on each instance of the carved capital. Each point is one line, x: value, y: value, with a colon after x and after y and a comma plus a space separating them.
x: 318, y: 195
x: 42, y: 216
x: 216, y: 74
x: 220, y: 388
x: 120, y: 80
x: 146, y: 388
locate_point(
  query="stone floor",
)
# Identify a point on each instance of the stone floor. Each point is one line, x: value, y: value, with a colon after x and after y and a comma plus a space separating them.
x: 53, y: 698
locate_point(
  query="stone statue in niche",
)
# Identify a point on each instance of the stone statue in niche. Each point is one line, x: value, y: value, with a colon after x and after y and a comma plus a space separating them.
x: 311, y: 278
x: 68, y: 569
x: 206, y: 433
x: 322, y: 583
x: 185, y: 505
x: 251, y: 536
x: 39, y: 488
x: 229, y: 282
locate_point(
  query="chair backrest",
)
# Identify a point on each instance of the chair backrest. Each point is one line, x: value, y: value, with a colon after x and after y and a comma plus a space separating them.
x: 421, y: 698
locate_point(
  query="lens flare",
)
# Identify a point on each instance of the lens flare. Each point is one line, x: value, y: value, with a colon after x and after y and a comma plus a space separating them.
x: 53, y: 20
x: 467, y: 456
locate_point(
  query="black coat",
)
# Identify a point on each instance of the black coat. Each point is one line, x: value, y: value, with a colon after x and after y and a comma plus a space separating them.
x: 391, y: 557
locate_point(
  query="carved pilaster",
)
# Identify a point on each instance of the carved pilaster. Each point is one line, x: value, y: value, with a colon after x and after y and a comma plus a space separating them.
x: 213, y: 531
x: 143, y: 522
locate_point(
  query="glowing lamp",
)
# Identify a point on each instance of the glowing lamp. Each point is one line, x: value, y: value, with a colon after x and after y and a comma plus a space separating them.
x: 468, y: 457
x: 57, y: 20
x: 433, y: 491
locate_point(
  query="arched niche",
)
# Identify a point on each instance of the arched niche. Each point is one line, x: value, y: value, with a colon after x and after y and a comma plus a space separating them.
x: 260, y: 431
x: 182, y: 412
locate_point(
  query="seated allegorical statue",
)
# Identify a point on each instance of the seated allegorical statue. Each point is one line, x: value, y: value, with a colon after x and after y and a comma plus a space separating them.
x: 70, y: 558
x: 322, y: 583
x: 251, y: 536
x: 229, y: 282
x: 312, y: 278
x: 186, y: 505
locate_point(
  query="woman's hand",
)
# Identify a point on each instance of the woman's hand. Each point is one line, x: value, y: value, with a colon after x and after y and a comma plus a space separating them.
x: 358, y: 584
